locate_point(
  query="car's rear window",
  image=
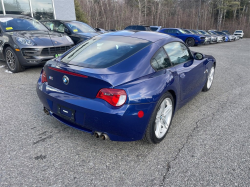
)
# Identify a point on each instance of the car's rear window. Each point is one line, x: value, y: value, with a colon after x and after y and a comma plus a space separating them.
x: 102, y: 52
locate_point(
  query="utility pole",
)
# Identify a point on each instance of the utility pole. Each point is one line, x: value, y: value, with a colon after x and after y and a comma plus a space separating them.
x: 199, y: 17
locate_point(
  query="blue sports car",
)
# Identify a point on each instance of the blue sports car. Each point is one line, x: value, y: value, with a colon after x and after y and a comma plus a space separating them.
x: 189, y: 38
x: 124, y: 85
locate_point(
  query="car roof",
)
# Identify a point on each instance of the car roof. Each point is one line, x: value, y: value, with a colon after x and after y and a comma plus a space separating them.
x: 139, y: 25
x: 170, y: 28
x: 60, y: 20
x: 146, y: 35
x: 15, y: 16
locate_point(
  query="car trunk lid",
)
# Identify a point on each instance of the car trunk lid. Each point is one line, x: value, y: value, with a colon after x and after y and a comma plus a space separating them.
x: 72, y: 79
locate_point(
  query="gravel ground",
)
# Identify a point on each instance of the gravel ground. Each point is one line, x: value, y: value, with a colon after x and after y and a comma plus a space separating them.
x: 207, y: 145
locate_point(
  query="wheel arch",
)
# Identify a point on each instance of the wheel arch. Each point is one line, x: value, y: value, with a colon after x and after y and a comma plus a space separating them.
x: 214, y: 64
x: 172, y: 92
x: 5, y: 47
x: 189, y: 38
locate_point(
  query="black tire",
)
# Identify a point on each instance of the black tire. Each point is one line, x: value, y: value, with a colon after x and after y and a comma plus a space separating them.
x: 190, y: 42
x: 150, y: 135
x: 12, y: 61
x: 207, y: 86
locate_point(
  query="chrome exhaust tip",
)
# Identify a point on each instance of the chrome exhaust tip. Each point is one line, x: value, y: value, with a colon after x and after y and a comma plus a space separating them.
x: 46, y: 111
x: 104, y: 137
x: 97, y: 134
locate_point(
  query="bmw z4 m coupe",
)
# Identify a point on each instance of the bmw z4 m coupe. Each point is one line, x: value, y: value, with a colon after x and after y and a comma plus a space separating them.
x: 124, y: 85
x: 26, y: 42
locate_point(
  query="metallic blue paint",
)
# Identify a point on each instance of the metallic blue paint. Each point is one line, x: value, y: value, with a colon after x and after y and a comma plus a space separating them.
x: 184, y: 36
x: 144, y: 87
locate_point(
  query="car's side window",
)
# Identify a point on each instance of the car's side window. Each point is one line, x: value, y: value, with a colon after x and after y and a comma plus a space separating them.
x: 177, y: 52
x: 134, y: 27
x: 166, y: 31
x: 49, y: 25
x: 141, y: 28
x: 61, y: 27
x: 160, y: 60
x: 128, y: 28
x: 175, y: 31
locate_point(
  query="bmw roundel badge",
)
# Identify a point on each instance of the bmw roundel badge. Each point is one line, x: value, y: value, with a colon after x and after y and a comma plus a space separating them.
x: 65, y: 80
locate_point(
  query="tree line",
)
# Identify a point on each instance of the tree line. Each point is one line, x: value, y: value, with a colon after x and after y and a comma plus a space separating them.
x: 193, y: 14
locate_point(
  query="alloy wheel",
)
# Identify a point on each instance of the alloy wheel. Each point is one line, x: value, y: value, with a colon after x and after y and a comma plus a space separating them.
x: 190, y: 42
x: 210, y: 78
x: 163, y: 118
x: 10, y: 59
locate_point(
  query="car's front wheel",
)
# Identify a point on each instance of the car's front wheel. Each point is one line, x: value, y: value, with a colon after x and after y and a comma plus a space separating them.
x: 190, y: 42
x: 160, y: 120
x: 210, y: 79
x: 12, y: 61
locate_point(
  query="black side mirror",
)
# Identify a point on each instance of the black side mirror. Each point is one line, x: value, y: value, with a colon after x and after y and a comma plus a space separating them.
x: 198, y: 56
x: 66, y: 30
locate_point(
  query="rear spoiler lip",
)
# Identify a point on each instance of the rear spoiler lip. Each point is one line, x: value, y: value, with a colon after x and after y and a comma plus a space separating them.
x: 68, y: 72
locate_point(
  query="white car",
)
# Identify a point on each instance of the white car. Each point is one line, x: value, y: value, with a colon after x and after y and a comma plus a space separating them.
x: 239, y: 33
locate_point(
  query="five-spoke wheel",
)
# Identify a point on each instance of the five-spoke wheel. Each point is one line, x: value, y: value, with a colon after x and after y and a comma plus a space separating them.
x: 161, y: 119
x: 190, y: 42
x: 12, y: 61
x: 210, y: 79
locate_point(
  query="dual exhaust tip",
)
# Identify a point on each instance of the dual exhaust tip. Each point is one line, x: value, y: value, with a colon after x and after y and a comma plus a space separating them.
x: 101, y: 135
x: 96, y: 134
x: 46, y: 111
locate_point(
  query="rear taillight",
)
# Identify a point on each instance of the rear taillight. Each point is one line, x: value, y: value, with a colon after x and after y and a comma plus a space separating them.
x: 115, y: 97
x: 44, y: 77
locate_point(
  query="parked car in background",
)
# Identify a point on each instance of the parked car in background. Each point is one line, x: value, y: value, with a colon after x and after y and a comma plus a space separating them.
x: 77, y: 31
x: 138, y: 27
x: 228, y: 38
x: 155, y: 28
x: 207, y: 38
x: 231, y: 35
x: 27, y: 42
x: 239, y: 33
x: 220, y: 38
x: 100, y: 30
x: 189, y: 39
x: 213, y: 37
x: 124, y: 87
x: 112, y: 30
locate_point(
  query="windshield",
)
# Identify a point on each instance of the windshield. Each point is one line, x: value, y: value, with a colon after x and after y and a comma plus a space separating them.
x: 153, y: 28
x: 221, y: 33
x: 202, y: 32
x: 102, y: 52
x: 21, y: 24
x: 182, y: 31
x: 238, y: 31
x: 213, y: 33
x: 195, y: 32
x: 187, y: 31
x: 78, y: 27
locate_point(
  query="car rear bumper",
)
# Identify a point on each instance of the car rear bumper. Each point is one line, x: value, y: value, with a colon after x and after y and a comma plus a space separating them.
x: 95, y: 115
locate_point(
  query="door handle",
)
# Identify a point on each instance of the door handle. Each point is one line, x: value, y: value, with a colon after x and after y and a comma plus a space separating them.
x: 182, y: 75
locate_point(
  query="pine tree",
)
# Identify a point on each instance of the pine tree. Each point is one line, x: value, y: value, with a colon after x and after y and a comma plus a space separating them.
x: 80, y: 16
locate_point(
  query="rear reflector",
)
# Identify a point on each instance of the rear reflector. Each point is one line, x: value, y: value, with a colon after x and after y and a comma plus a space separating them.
x: 140, y: 114
x: 115, y: 97
x: 44, y: 76
x: 68, y: 72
